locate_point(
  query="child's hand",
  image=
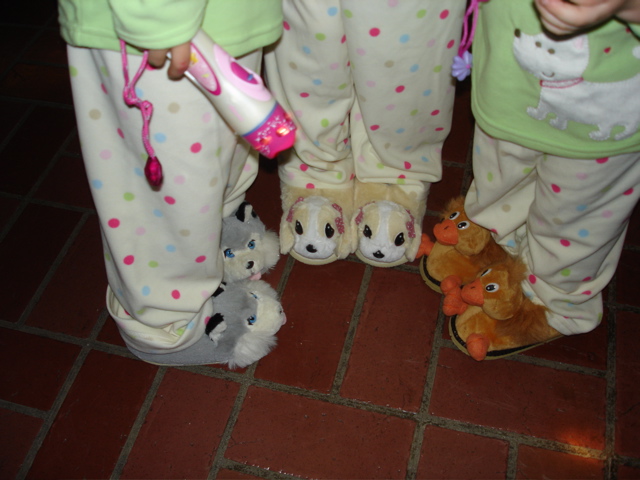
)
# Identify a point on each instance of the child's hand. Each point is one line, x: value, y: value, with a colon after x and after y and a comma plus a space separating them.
x: 564, y: 17
x: 180, y: 57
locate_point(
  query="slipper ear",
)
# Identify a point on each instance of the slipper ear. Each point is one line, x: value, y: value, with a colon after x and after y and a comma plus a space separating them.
x: 287, y: 237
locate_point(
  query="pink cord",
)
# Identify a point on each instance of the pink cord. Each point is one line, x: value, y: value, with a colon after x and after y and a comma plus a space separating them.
x: 462, y: 62
x: 153, y: 168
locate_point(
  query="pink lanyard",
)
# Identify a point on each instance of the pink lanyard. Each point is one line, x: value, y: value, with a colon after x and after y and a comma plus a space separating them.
x: 462, y: 63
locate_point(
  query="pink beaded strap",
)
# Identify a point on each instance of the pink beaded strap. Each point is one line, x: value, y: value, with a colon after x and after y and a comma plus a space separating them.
x: 153, y: 168
x: 462, y: 63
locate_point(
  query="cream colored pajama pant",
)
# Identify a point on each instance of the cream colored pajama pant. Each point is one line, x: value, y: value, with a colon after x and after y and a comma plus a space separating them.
x: 371, y: 88
x: 565, y: 217
x: 161, y: 246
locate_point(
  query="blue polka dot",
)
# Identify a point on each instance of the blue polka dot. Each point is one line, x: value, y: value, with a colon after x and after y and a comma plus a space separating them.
x: 332, y: 12
x: 160, y: 137
x: 477, y: 149
x: 139, y: 92
x: 190, y: 325
x: 424, y: 159
x: 583, y: 233
x: 146, y: 291
x: 408, y: 147
x: 331, y: 102
x: 414, y: 68
x: 404, y: 38
x: 97, y: 184
x: 581, y: 208
x: 316, y: 143
x: 306, y: 50
x: 426, y: 93
x: 400, y: 130
x: 317, y: 81
x: 158, y: 213
x: 511, y: 244
x: 138, y: 171
x: 170, y: 248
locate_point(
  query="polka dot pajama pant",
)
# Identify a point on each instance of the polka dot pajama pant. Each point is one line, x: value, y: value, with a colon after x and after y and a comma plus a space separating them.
x: 371, y: 88
x: 567, y: 218
x: 161, y: 246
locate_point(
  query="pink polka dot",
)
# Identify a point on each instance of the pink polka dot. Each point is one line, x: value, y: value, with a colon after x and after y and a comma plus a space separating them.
x: 400, y: 88
x: 179, y: 180
x: 201, y: 259
x: 602, y: 160
x: 586, y: 279
x: 206, y: 118
x: 439, y: 129
x: 304, y: 94
x: 286, y: 26
x: 176, y: 294
x: 629, y: 192
x: 120, y: 133
x: 451, y: 43
x: 361, y: 51
x: 586, y: 292
x: 105, y: 154
x: 304, y: 167
x: 128, y: 260
x: 375, y: 127
x: 206, y: 319
x: 343, y: 39
x: 141, y: 231
x: 310, y: 186
x: 607, y: 214
x: 444, y: 14
x: 493, y: 230
x: 532, y: 279
x: 607, y: 50
x: 104, y: 89
x: 371, y: 83
x: 334, y: 66
x: 582, y: 176
x: 169, y: 200
x: 196, y: 147
x: 402, y: 176
x: 205, y: 209
x: 565, y: 243
x: 407, y: 165
x: 435, y: 112
x: 374, y: 32
x: 555, y: 188
x: 390, y: 107
x: 114, y: 223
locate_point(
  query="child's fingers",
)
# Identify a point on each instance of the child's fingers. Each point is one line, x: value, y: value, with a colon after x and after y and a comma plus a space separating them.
x: 180, y: 56
x: 158, y: 57
x: 563, y: 17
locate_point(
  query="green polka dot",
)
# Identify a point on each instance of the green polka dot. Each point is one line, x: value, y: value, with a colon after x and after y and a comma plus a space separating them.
x: 129, y: 196
x: 606, y: 189
x: 348, y: 13
x: 413, y: 113
x: 342, y: 87
x: 600, y: 317
x: 438, y: 69
x: 218, y: 151
x: 321, y: 36
x: 73, y: 71
x: 527, y: 170
x: 566, y: 272
x: 180, y: 331
x: 490, y: 176
x: 421, y: 13
x: 380, y: 166
x: 401, y: 181
x: 107, y: 256
x: 324, y: 122
x: 339, y: 175
x: 153, y: 264
x: 104, y: 71
x: 141, y: 311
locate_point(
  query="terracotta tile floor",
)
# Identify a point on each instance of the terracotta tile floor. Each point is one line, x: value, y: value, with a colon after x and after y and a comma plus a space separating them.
x: 364, y: 383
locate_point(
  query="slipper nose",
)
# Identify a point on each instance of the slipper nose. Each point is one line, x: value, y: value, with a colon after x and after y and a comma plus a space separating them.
x: 378, y: 254
x: 311, y: 249
x: 472, y: 293
x: 250, y: 265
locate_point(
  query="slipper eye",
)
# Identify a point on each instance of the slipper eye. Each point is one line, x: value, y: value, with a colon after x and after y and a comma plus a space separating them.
x: 228, y: 253
x: 486, y: 272
x: 299, y: 229
x: 399, y: 239
x: 492, y: 287
x: 462, y: 225
x: 329, y: 231
x: 367, y: 232
x: 454, y: 215
x: 251, y: 244
x: 251, y: 320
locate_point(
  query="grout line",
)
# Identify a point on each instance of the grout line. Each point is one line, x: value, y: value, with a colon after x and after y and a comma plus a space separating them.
x: 343, y: 362
x: 512, y: 461
x: 137, y: 424
x: 610, y: 395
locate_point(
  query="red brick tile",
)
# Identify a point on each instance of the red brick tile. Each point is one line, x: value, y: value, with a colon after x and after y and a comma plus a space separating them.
x: 627, y: 384
x: 231, y: 475
x: 456, y: 147
x: 627, y: 278
x: 19, y: 431
x: 110, y: 333
x: 540, y: 463
x: 389, y: 359
x: 447, y: 454
x: 527, y: 399
x: 264, y: 194
x: 25, y: 80
x: 48, y: 47
x: 628, y: 473
x: 12, y: 40
x: 67, y: 183
x: 61, y: 308
x: 91, y: 428
x: 309, y: 438
x: 633, y: 233
x: 28, y: 252
x: 8, y: 207
x: 11, y: 113
x: 177, y: 441
x: 40, y: 368
x: 318, y: 302
x: 449, y: 187
x: 30, y: 150
x: 26, y: 13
